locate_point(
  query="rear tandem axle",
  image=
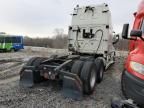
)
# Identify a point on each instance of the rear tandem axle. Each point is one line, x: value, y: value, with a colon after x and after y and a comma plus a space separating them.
x: 78, y: 74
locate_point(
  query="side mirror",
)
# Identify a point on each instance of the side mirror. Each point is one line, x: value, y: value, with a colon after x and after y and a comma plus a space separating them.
x: 116, y: 39
x: 136, y: 33
x: 125, y: 31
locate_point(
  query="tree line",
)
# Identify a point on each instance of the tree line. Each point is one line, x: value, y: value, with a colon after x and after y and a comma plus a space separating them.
x: 55, y: 42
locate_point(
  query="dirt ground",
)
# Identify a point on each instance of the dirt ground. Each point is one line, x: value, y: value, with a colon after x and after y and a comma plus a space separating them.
x: 48, y: 94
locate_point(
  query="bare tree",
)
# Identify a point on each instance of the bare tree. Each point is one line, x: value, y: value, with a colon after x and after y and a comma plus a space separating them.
x: 59, y: 32
x: 59, y: 40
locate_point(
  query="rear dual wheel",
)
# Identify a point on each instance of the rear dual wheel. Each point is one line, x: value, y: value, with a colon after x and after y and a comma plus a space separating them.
x: 86, y: 70
x: 88, y: 77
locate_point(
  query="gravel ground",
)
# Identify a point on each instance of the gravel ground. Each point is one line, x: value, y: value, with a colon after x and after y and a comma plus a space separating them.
x: 48, y: 94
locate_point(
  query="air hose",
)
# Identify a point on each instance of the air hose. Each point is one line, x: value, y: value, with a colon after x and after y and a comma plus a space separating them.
x: 100, y: 39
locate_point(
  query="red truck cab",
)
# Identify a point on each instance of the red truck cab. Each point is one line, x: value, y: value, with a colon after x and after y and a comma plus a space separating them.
x: 133, y: 75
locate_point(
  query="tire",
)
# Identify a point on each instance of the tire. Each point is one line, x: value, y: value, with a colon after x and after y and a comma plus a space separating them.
x: 12, y: 50
x: 123, y: 85
x: 37, y: 77
x: 100, y: 70
x: 29, y: 63
x: 35, y: 61
x: 77, y: 66
x: 88, y: 77
x: 38, y: 61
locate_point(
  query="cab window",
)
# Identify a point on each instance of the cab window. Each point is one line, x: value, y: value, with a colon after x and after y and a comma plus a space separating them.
x: 142, y: 26
x: 8, y: 40
x: 16, y: 39
x: 1, y: 40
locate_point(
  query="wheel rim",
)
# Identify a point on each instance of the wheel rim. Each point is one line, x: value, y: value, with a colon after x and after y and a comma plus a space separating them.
x: 92, y: 78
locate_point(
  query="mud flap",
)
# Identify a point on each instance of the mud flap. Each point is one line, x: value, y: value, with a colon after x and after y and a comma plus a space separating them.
x: 72, y: 88
x: 26, y: 77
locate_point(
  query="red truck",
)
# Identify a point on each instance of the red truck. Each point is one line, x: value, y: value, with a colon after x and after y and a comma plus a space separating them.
x: 133, y: 75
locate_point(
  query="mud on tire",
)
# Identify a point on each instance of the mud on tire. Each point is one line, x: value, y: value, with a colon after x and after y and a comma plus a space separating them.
x: 100, y: 70
x: 88, y: 76
x: 77, y: 67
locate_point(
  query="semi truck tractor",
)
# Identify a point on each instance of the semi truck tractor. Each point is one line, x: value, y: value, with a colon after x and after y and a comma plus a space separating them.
x: 91, y: 52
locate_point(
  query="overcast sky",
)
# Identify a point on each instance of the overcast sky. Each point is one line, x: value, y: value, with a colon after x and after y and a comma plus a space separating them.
x: 39, y: 18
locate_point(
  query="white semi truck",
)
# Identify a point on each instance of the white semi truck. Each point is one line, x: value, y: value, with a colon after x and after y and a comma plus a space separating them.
x: 90, y: 43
